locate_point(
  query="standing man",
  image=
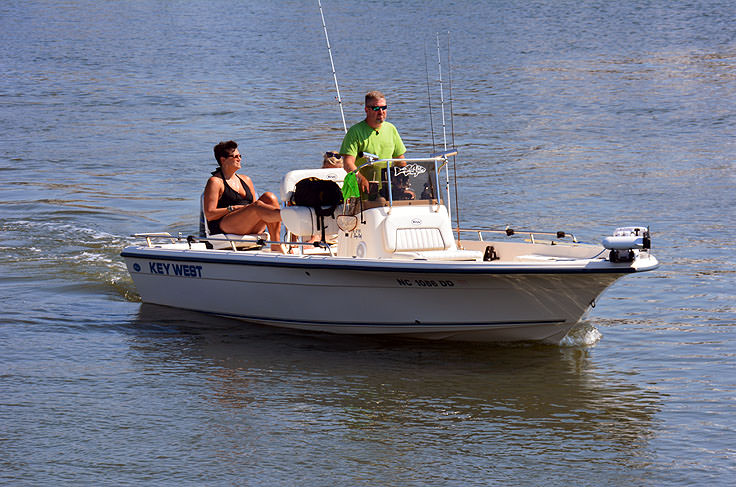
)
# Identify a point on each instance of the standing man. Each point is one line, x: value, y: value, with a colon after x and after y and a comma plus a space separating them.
x: 373, y: 135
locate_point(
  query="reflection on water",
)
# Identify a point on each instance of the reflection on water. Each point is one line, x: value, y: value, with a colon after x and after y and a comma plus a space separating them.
x: 465, y: 403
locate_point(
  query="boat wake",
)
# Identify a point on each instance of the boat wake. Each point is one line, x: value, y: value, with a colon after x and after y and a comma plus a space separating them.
x: 63, y: 250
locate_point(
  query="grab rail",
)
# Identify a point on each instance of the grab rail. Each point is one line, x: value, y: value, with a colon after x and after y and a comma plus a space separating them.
x: 258, y: 241
x: 149, y: 236
x: 436, y: 157
x: 510, y: 232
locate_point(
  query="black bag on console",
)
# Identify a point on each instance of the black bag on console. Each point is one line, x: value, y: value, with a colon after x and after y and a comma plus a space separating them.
x: 317, y: 193
x: 321, y: 194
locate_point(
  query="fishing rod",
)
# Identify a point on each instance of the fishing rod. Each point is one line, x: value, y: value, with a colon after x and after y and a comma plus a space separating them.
x: 452, y: 128
x: 429, y: 99
x: 332, y: 63
x: 442, y: 93
x: 444, y: 131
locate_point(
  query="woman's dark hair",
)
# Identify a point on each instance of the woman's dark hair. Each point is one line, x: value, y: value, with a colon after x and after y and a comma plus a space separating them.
x: 224, y: 149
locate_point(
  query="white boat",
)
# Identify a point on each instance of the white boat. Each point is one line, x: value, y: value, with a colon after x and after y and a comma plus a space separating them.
x: 390, y: 263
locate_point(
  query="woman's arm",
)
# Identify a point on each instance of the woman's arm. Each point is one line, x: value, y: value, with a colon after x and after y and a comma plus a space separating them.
x: 212, y: 192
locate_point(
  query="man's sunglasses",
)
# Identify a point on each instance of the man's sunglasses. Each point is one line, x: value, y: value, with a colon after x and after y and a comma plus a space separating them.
x: 376, y: 108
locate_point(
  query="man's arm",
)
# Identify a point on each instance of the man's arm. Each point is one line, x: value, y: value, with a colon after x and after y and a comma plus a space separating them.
x: 348, y: 163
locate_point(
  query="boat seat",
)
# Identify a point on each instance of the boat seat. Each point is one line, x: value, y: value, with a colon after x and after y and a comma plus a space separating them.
x: 294, y: 218
x: 288, y: 183
x: 221, y: 241
x: 403, y: 235
x: 302, y: 221
x: 419, y: 239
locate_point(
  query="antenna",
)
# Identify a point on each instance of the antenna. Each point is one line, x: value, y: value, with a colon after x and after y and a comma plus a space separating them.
x: 332, y: 63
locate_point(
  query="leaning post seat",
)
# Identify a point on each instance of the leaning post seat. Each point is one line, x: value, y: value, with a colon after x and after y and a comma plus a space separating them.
x: 302, y: 221
x: 227, y: 240
x: 288, y: 183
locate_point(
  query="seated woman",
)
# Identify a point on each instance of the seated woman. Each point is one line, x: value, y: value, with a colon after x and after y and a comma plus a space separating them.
x: 229, y: 204
x: 331, y: 160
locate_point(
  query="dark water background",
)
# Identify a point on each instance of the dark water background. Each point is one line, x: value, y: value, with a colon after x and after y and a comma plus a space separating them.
x: 568, y: 115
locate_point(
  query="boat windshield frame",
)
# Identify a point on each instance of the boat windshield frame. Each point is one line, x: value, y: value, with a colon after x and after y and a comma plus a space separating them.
x: 380, y: 186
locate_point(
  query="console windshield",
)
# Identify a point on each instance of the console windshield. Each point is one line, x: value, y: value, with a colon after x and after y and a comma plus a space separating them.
x: 404, y: 180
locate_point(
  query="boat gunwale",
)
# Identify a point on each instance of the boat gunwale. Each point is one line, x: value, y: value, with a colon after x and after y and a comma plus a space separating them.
x: 352, y: 264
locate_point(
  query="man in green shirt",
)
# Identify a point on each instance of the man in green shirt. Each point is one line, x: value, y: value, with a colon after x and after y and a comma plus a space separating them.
x: 373, y: 135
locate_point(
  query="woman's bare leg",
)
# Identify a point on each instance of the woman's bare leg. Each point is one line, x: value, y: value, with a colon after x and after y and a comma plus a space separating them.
x: 274, y: 227
x: 255, y: 218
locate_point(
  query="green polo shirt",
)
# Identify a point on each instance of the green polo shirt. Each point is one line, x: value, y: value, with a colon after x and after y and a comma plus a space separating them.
x: 385, y: 143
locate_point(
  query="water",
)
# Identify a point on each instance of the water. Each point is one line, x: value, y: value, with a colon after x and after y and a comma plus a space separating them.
x: 576, y: 116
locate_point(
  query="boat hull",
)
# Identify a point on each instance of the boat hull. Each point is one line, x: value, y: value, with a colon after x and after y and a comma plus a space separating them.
x: 455, y: 301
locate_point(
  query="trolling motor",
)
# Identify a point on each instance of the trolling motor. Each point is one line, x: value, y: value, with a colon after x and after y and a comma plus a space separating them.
x: 626, y: 243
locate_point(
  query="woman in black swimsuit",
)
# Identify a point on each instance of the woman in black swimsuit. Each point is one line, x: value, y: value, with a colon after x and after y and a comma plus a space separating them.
x: 229, y: 205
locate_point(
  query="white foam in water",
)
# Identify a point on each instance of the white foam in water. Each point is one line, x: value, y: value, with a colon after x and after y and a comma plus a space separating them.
x: 583, y: 336
x: 95, y: 258
x: 56, y: 228
x: 87, y: 251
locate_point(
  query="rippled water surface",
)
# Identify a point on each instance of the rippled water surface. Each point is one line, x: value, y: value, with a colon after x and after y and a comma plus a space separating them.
x: 577, y: 116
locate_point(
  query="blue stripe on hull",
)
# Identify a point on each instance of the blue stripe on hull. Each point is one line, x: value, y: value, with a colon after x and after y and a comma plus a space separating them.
x: 394, y: 266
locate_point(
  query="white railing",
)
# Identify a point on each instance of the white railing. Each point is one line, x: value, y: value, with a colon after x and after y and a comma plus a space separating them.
x: 509, y: 232
x: 257, y: 241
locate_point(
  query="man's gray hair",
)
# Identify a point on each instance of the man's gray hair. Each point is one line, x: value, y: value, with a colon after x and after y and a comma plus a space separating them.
x: 373, y: 96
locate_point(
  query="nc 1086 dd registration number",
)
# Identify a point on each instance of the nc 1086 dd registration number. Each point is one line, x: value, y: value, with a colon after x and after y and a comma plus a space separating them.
x: 424, y: 283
